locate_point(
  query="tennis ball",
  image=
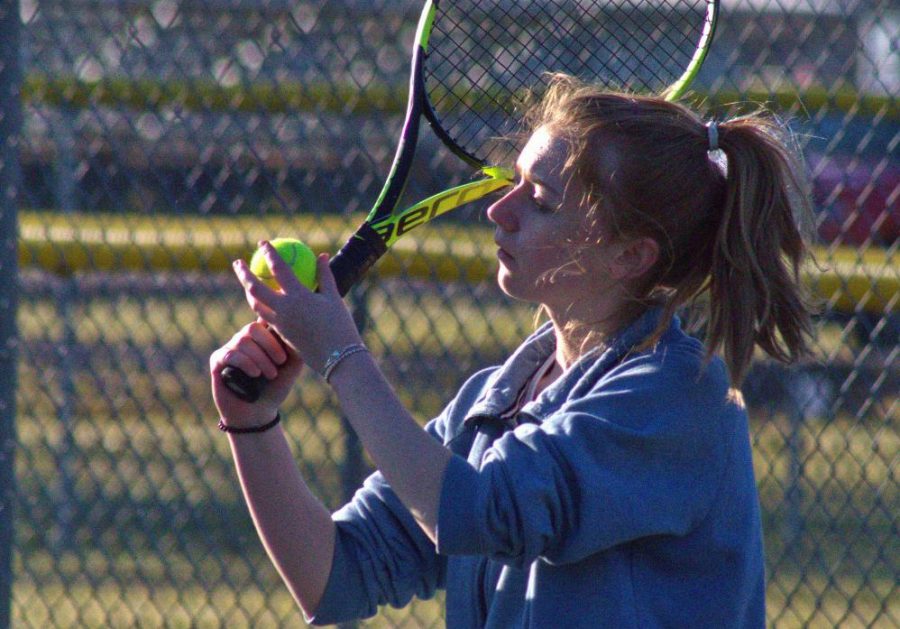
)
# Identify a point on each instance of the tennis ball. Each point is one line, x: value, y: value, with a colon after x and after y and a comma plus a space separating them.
x: 298, y: 256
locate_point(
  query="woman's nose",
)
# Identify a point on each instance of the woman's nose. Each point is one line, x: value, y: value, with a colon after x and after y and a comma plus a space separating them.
x: 502, y: 212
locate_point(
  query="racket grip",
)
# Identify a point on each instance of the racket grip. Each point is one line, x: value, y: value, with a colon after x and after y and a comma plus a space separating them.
x: 356, y: 257
x: 245, y: 387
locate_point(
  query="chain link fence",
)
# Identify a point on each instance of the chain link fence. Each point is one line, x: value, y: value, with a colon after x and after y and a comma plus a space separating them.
x: 159, y: 139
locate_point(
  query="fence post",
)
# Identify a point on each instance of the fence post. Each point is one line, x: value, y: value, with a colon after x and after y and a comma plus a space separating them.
x: 65, y: 188
x: 10, y: 129
x: 67, y: 301
x: 353, y: 469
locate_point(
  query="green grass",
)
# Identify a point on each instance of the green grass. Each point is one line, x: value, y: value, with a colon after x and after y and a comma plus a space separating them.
x: 122, y: 423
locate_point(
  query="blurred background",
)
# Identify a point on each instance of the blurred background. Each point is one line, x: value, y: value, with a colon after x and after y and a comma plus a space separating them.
x: 145, y: 144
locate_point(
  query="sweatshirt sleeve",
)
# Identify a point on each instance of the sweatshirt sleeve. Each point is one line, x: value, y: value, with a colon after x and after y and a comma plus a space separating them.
x: 639, y: 455
x: 381, y: 555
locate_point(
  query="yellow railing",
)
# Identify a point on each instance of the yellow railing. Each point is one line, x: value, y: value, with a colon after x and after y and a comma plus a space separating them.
x: 350, y: 98
x: 846, y: 279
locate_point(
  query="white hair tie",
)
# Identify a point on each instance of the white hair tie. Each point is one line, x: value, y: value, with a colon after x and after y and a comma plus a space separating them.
x: 712, y: 134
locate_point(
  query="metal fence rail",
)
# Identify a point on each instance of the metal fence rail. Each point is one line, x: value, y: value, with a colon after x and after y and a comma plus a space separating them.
x: 159, y: 139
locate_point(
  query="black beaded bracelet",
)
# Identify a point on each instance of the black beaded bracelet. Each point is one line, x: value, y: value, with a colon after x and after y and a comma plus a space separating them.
x: 248, y: 429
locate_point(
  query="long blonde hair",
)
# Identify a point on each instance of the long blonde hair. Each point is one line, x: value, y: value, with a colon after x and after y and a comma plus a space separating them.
x: 727, y: 229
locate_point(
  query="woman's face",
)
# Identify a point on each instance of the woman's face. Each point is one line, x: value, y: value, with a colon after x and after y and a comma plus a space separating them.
x: 548, y: 248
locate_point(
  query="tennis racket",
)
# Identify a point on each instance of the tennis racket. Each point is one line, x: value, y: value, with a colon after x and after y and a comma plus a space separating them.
x: 473, y: 61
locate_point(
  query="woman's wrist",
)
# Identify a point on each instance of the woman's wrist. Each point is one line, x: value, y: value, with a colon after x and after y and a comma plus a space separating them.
x: 225, y: 426
x: 338, y: 357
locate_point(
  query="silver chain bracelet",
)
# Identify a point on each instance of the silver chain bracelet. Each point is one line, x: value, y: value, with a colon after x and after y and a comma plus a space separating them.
x: 337, y: 357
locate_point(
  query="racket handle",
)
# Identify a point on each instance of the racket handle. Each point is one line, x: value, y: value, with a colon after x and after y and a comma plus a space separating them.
x: 356, y: 257
x: 245, y: 387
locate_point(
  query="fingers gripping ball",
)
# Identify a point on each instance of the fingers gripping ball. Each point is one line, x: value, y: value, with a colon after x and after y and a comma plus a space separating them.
x: 297, y: 255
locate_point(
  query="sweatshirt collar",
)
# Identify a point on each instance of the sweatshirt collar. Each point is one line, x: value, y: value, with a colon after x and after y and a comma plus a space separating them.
x: 506, y: 384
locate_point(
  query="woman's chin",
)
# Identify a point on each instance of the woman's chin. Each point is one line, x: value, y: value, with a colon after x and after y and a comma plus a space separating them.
x: 513, y: 288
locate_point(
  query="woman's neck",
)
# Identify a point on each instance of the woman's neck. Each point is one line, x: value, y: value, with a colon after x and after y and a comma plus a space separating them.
x: 576, y: 336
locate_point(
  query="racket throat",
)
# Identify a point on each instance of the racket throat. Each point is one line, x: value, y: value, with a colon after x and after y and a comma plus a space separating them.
x: 356, y: 257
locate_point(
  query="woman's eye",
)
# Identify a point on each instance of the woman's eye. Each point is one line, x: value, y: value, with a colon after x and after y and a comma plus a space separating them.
x: 543, y: 207
x: 538, y: 203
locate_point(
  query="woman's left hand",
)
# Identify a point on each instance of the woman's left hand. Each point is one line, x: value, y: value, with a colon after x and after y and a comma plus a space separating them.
x: 314, y: 324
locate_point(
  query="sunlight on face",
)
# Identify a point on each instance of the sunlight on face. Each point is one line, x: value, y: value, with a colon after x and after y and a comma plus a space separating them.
x: 548, y: 250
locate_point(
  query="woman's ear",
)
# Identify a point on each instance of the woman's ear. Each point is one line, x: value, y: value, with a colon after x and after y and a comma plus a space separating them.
x: 633, y: 258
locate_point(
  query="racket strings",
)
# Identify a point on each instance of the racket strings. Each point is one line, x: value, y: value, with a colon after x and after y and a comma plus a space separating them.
x: 484, y: 56
x: 472, y: 100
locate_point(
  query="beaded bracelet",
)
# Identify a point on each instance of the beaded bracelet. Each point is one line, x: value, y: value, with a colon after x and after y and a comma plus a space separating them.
x: 338, y: 356
x: 238, y: 430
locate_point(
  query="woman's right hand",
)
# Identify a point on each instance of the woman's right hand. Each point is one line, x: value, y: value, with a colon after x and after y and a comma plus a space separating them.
x: 255, y: 350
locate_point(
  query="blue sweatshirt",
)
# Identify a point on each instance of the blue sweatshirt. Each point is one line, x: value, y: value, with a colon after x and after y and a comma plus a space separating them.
x: 623, y: 496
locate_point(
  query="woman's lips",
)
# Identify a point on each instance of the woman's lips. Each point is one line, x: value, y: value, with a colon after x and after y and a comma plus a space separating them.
x: 504, y: 256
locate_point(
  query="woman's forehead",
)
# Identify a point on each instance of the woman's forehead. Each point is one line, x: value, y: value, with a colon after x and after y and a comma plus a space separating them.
x: 549, y: 152
x: 544, y: 155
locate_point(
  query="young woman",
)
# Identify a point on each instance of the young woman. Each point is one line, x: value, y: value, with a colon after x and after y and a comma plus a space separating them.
x: 602, y: 476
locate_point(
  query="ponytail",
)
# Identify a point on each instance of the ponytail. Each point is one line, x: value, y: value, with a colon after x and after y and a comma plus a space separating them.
x: 756, y: 296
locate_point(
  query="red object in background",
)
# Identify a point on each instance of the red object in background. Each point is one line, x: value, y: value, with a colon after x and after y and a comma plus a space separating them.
x: 856, y: 199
